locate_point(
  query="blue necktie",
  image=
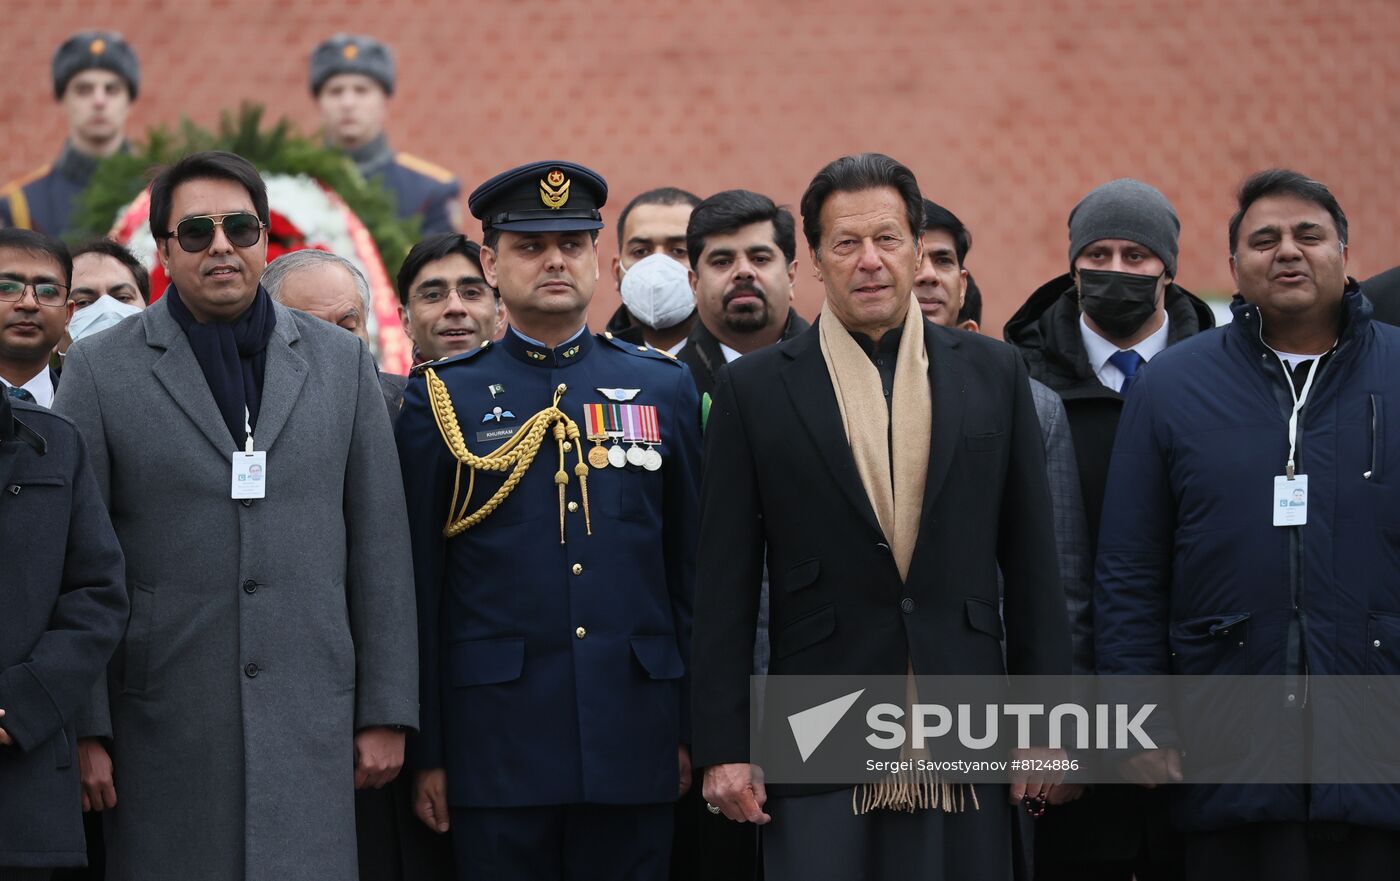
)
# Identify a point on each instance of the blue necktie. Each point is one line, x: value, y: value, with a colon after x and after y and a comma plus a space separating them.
x: 19, y: 394
x: 1128, y: 363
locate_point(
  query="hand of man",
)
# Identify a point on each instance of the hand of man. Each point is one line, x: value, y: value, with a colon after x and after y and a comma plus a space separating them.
x: 378, y: 757
x: 5, y: 739
x: 685, y: 769
x: 1036, y: 780
x: 95, y: 775
x: 430, y: 799
x: 737, y: 791
x: 1151, y: 768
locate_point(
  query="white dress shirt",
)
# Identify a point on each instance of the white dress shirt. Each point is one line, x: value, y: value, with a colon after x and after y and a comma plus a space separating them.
x: 1100, y: 350
x: 41, y: 387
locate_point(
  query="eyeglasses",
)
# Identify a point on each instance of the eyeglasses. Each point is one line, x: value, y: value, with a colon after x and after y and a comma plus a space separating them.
x: 46, y: 293
x: 195, y: 234
x: 468, y: 293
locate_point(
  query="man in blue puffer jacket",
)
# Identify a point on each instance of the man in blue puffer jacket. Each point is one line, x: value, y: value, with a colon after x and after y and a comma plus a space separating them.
x: 1193, y: 577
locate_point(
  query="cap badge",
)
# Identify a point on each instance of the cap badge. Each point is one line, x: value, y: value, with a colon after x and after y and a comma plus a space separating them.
x: 97, y: 47
x: 350, y: 52
x: 554, y: 190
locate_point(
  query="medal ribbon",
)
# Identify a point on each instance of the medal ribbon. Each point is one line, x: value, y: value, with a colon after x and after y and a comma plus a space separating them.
x: 651, y: 425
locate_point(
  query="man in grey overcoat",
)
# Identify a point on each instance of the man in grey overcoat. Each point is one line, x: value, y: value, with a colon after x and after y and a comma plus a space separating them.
x: 269, y: 666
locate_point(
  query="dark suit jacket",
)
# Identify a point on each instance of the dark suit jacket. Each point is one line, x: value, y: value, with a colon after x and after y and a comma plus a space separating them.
x: 779, y: 474
x: 392, y: 385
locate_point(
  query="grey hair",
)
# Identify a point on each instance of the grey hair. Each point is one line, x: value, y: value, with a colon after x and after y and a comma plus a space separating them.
x: 308, y: 258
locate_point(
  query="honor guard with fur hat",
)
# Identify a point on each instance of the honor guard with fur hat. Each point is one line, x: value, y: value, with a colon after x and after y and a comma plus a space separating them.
x: 552, y: 480
x: 95, y: 80
x: 352, y: 79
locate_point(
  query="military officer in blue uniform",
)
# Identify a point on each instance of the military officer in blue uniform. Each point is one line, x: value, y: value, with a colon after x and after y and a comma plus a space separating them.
x: 95, y: 81
x: 552, y: 481
x: 352, y: 79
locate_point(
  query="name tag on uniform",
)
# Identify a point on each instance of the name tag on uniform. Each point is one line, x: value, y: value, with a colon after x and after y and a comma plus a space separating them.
x: 1291, y: 500
x: 250, y: 475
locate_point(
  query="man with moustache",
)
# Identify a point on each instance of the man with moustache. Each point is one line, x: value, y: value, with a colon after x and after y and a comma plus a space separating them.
x: 244, y: 453
x: 652, y: 223
x: 95, y: 79
x: 743, y: 264
x: 352, y: 79
x: 867, y: 577
x: 552, y: 481
x: 445, y: 304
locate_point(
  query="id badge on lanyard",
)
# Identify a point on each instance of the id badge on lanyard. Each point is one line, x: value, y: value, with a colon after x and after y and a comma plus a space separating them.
x: 249, y: 467
x: 1290, y: 507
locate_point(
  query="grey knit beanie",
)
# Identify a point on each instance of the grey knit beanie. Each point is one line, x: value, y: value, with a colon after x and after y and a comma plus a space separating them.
x: 1126, y: 209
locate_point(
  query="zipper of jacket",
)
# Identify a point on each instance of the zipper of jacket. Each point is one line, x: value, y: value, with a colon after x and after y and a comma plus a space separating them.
x: 1296, y: 661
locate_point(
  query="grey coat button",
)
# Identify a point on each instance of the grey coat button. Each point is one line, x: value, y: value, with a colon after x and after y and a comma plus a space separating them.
x: 251, y: 670
x: 250, y: 586
x: 247, y: 503
x: 907, y: 605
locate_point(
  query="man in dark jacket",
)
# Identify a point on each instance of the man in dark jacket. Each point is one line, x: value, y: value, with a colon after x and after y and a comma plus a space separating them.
x: 743, y: 263
x: 64, y: 592
x: 1118, y: 305
x: 858, y: 587
x: 1197, y: 572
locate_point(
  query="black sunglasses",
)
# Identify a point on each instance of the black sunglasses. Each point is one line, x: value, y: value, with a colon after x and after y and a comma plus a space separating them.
x: 195, y: 234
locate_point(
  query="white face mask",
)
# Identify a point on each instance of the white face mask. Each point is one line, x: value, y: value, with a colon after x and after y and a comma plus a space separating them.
x: 100, y: 315
x: 656, y: 290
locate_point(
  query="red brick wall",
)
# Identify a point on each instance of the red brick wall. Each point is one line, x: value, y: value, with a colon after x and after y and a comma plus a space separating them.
x: 1007, y: 110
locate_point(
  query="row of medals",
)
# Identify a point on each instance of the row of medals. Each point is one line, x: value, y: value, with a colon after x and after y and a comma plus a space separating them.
x: 617, y: 457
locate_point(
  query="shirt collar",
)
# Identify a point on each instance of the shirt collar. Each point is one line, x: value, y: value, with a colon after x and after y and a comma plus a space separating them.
x: 77, y: 167
x: 1099, y: 350
x: 532, y: 351
x: 40, y: 386
x: 729, y: 354
x: 888, y: 345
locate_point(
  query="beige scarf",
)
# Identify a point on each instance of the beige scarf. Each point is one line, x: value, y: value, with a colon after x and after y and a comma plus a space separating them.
x: 896, y: 492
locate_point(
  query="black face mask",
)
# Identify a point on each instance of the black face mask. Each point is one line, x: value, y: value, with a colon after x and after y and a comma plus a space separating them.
x: 1119, y: 302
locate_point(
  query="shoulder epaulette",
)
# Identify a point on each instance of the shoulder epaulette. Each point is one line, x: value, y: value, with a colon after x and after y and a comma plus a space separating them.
x: 641, y: 351
x: 13, y: 192
x: 25, y: 180
x: 454, y: 359
x: 425, y: 168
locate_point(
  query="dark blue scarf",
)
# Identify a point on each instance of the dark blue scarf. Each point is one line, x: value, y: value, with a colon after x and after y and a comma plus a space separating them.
x: 233, y: 355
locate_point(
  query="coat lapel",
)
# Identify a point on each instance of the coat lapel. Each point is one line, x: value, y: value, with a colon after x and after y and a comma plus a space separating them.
x: 178, y: 371
x: 809, y: 387
x: 947, y: 388
x: 283, y: 378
